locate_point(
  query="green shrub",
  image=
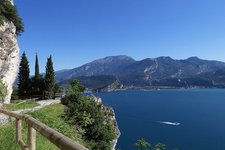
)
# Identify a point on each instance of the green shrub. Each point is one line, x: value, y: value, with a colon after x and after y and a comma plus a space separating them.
x: 83, y: 111
x: 3, y: 91
x: 9, y: 12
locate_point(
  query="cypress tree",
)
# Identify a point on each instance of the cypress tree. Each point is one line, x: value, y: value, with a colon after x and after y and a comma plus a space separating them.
x: 37, y: 83
x: 49, y: 79
x: 37, y: 74
x: 24, y: 78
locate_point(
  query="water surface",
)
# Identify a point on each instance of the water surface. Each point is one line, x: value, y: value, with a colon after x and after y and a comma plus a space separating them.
x: 200, y: 112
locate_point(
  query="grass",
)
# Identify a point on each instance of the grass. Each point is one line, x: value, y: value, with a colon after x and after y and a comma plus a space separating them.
x: 8, y: 139
x: 50, y: 115
x: 20, y: 104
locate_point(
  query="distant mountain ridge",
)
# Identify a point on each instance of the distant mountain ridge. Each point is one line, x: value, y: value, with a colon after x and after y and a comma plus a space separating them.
x: 150, y: 72
x: 105, y: 66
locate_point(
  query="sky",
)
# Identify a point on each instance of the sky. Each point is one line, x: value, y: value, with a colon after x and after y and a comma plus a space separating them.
x: 75, y: 32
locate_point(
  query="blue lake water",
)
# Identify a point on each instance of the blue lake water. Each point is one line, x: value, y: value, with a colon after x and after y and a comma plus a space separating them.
x: 200, y: 112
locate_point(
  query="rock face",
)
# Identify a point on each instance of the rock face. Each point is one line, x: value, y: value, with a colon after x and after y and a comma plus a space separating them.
x: 110, y: 118
x: 9, y: 57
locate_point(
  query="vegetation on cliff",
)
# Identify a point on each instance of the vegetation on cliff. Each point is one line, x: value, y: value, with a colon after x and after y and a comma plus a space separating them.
x: 3, y: 91
x: 88, y: 115
x: 8, y: 12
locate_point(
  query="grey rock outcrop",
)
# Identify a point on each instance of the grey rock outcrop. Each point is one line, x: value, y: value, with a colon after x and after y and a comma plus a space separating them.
x: 9, y: 57
x: 110, y: 118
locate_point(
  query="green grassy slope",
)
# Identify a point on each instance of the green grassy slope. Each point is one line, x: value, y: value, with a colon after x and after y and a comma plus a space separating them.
x: 51, y: 116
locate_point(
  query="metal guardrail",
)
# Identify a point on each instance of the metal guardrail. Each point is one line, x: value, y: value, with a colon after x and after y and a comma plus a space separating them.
x: 58, y: 139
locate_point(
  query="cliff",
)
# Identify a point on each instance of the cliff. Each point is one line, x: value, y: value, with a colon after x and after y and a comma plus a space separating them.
x: 110, y: 118
x: 115, y: 85
x: 9, y: 56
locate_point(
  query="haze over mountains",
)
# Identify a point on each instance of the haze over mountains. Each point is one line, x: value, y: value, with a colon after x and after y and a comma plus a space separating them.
x: 124, y: 71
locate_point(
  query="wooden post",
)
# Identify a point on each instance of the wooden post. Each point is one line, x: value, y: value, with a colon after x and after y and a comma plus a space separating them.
x: 18, y: 130
x: 31, y: 138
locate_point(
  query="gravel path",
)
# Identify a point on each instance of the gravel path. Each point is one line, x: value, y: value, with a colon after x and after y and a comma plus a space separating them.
x: 4, y: 119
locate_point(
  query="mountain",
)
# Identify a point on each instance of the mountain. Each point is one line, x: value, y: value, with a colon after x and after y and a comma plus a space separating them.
x: 111, y: 65
x: 149, y: 72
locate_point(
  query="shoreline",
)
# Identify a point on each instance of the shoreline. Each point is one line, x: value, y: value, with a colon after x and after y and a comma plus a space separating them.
x: 118, y: 133
x: 114, y: 142
x: 153, y: 89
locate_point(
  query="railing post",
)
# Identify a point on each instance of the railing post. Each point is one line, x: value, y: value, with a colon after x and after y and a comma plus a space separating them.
x: 31, y: 138
x: 18, y: 130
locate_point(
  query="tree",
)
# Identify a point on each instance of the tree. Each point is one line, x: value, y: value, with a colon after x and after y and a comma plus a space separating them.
x: 57, y: 89
x: 37, y: 87
x: 37, y: 83
x: 75, y: 87
x: 24, y: 80
x: 49, y: 79
x: 8, y: 12
x: 142, y: 144
x: 37, y: 74
x: 159, y: 146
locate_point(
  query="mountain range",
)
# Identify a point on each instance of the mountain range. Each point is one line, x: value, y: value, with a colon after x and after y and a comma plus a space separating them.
x: 123, y: 72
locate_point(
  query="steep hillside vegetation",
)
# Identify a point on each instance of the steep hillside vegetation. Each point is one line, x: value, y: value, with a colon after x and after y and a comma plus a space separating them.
x: 9, y: 13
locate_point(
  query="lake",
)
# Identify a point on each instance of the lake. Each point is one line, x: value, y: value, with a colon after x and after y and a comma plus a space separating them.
x: 200, y: 112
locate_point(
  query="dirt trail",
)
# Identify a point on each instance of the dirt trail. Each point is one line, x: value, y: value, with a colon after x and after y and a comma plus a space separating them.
x: 4, y: 119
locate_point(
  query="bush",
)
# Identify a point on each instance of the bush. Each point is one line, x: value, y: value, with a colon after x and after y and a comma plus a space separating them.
x: 3, y: 91
x: 9, y: 12
x: 83, y: 111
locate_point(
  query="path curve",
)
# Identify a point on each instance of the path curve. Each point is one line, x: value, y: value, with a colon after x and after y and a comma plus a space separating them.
x: 4, y: 119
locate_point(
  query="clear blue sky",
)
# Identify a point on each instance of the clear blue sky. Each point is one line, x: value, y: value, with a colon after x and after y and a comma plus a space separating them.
x: 78, y: 31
